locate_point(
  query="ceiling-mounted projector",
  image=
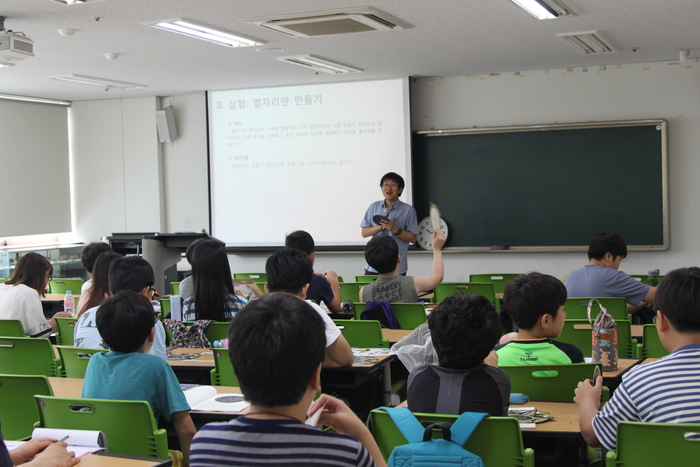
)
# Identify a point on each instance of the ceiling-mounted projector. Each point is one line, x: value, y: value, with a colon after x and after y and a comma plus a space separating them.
x: 15, y: 46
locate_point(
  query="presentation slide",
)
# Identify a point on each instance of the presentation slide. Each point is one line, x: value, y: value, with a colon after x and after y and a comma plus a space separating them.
x: 304, y: 158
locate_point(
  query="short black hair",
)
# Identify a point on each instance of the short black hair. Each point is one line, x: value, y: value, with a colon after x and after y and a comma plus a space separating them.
x: 276, y: 344
x: 130, y: 273
x: 464, y: 329
x: 394, y: 177
x: 381, y: 253
x: 300, y: 240
x: 90, y: 253
x: 528, y: 297
x: 678, y: 297
x: 607, y: 242
x: 125, y: 320
x: 288, y: 270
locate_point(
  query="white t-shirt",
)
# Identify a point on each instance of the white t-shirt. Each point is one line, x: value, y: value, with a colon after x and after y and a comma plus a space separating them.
x: 23, y: 303
x: 86, y: 285
x: 332, y: 331
x: 87, y: 336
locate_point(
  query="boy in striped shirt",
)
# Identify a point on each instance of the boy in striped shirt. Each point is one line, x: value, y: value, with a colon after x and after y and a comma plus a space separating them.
x: 664, y: 391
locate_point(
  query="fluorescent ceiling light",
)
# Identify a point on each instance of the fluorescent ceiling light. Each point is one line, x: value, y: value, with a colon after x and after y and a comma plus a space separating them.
x: 108, y: 83
x: 70, y: 2
x: 545, y: 9
x: 39, y: 100
x: 6, y: 65
x: 201, y: 31
x: 587, y: 42
x: 319, y: 64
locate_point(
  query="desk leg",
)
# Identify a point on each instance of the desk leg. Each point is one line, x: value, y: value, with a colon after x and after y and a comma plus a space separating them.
x: 386, y: 392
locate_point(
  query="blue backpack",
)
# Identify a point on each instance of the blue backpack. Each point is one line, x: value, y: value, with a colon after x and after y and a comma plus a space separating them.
x: 382, y: 312
x: 423, y: 450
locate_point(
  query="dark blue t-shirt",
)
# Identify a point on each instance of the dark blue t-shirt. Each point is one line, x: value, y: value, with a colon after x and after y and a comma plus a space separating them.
x: 320, y: 291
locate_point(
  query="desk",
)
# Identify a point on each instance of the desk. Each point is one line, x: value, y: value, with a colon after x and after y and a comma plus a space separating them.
x: 395, y: 335
x: 115, y: 460
x: 637, y: 332
x: 52, y: 303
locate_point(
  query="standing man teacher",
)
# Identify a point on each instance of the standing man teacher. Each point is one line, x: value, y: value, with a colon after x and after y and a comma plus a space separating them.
x: 402, y: 223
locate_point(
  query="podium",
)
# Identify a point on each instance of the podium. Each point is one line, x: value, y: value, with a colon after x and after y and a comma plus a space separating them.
x: 162, y: 250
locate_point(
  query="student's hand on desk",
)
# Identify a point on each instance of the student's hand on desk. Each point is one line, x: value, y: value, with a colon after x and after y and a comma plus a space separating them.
x: 587, y: 393
x: 62, y: 314
x: 337, y: 415
x: 55, y: 455
x: 31, y: 448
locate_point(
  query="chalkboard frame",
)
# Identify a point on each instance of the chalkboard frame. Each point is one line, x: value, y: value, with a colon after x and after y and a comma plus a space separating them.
x: 663, y: 124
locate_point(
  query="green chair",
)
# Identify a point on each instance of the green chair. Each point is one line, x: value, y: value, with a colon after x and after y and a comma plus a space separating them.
x: 366, y: 279
x: 66, y: 328
x: 164, y: 307
x: 676, y: 444
x: 351, y: 291
x: 61, y: 285
x: 576, y: 308
x: 129, y: 426
x: 551, y: 382
x: 222, y: 374
x: 446, y: 289
x: 216, y: 331
x: 18, y: 412
x: 74, y: 360
x: 365, y: 333
x: 409, y: 315
x: 651, y: 346
x: 11, y: 328
x: 27, y: 356
x: 507, y: 451
x: 175, y: 288
x: 261, y: 286
x: 578, y: 332
x: 499, y: 281
x: 256, y: 276
x: 644, y: 278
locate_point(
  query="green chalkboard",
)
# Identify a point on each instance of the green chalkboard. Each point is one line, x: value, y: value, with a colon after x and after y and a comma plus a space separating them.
x: 547, y: 186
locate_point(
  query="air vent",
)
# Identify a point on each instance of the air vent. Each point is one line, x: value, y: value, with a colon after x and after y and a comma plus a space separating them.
x: 327, y: 23
x: 588, y: 42
x: 319, y: 64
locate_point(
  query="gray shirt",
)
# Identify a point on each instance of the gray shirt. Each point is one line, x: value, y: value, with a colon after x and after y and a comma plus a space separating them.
x: 396, y: 288
x: 599, y: 281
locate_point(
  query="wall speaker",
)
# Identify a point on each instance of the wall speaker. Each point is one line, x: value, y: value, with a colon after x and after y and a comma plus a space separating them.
x: 165, y: 120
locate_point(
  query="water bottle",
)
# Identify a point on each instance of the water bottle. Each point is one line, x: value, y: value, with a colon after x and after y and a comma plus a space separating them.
x: 69, y: 302
x: 653, y: 277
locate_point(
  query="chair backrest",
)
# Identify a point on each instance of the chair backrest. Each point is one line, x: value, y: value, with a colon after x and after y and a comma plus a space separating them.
x: 507, y: 452
x: 74, y: 360
x: 261, y: 286
x: 651, y: 346
x: 216, y: 331
x: 362, y: 333
x: 366, y: 279
x: 351, y: 291
x: 578, y: 332
x: 11, y: 328
x: 129, y: 426
x: 27, y: 356
x: 66, y: 328
x: 549, y: 382
x: 256, y: 276
x: 409, y: 315
x: 499, y: 281
x: 446, y: 289
x: 676, y: 444
x: 175, y: 288
x: 222, y: 374
x: 18, y: 412
x: 164, y: 307
x: 576, y: 307
x: 61, y: 285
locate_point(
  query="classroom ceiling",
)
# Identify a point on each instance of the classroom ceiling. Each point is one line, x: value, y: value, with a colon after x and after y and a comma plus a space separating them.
x: 448, y: 38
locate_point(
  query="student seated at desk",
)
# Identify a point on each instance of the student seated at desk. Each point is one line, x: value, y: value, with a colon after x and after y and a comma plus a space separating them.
x: 277, y: 347
x: 126, y: 323
x: 291, y: 271
x: 19, y: 295
x: 213, y: 296
x: 535, y: 302
x: 38, y: 452
x: 601, y: 278
x: 464, y: 329
x: 99, y: 290
x: 88, y: 257
x: 126, y: 273
x: 664, y: 391
x: 382, y: 254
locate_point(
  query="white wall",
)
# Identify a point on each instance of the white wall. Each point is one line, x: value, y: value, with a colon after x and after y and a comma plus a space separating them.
x: 116, y: 167
x: 627, y: 92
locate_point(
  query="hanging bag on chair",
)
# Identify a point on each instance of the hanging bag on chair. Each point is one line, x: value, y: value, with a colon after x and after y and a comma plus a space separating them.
x: 604, y: 337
